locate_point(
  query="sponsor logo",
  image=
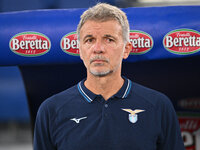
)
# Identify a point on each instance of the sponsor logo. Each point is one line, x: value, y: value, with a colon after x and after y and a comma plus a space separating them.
x: 190, y: 131
x: 190, y: 103
x: 141, y: 42
x: 182, y: 41
x: 77, y: 120
x: 69, y: 44
x: 30, y: 44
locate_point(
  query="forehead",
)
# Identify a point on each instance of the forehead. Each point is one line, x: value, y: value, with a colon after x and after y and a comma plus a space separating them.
x: 92, y: 27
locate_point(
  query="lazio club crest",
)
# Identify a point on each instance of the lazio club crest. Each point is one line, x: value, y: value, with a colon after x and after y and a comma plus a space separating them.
x: 133, y: 116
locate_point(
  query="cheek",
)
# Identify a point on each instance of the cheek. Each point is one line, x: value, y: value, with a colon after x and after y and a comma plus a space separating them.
x: 115, y: 59
x: 118, y: 53
x: 84, y: 55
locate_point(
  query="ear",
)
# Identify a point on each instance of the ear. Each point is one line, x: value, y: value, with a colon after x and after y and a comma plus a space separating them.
x: 128, y: 48
x: 80, y: 54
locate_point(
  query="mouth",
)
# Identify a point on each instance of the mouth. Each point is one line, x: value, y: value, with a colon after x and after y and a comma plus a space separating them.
x: 99, y: 60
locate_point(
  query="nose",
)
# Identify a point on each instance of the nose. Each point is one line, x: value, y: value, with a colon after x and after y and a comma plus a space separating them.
x: 99, y: 47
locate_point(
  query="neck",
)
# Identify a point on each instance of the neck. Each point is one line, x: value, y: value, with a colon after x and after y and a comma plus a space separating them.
x: 106, y: 86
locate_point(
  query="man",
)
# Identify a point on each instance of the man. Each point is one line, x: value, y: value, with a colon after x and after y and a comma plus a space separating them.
x: 106, y: 111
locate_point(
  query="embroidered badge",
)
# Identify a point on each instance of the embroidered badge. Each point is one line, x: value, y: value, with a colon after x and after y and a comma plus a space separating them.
x: 133, y: 117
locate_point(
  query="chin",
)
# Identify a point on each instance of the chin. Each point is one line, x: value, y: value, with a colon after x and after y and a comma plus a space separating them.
x: 101, y: 73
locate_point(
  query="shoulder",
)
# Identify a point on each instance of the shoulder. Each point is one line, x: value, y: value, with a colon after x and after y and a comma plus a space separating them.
x: 54, y: 103
x: 151, y: 96
x: 156, y: 102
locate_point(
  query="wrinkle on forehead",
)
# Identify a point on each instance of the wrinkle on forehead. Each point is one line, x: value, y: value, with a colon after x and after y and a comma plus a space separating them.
x: 92, y: 27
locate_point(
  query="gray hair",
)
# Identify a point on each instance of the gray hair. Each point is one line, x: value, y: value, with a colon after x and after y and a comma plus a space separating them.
x: 104, y: 12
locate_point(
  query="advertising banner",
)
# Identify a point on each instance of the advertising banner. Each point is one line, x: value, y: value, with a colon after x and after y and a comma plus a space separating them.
x: 190, y: 130
x: 49, y: 36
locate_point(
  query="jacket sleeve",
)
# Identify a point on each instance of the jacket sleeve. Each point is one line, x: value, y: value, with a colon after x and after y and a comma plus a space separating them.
x: 170, y: 138
x: 42, y: 132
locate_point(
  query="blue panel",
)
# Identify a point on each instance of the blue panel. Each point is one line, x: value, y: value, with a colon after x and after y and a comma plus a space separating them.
x: 13, y: 101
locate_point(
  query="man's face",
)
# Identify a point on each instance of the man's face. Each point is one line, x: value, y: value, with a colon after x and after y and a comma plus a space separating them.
x: 102, y: 47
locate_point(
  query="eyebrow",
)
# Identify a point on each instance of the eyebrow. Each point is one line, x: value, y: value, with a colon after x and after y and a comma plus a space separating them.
x: 109, y: 36
x: 87, y: 36
x: 105, y: 36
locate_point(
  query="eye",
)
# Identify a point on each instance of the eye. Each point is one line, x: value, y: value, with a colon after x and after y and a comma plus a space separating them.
x: 109, y: 40
x: 90, y: 40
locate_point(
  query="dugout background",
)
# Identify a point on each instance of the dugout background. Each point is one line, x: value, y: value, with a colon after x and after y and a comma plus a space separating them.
x: 176, y: 75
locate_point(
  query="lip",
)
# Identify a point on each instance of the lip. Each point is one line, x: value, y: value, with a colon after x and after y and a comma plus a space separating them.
x: 98, y: 61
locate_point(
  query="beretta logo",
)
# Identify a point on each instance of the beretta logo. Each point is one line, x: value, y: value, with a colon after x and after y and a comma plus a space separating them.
x: 141, y: 42
x: 182, y: 41
x: 69, y: 44
x: 30, y: 44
